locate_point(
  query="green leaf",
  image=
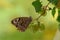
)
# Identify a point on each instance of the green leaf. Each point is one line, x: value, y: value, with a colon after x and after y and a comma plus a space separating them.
x: 58, y: 18
x: 58, y: 4
x: 53, y: 11
x: 53, y: 1
x: 37, y: 5
x: 34, y: 26
x: 42, y: 27
x: 38, y: 23
x: 59, y: 27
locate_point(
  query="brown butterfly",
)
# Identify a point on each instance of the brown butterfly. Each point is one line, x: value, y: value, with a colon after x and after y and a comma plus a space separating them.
x: 21, y: 23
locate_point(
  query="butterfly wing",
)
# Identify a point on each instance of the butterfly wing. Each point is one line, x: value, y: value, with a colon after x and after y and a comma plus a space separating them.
x: 21, y: 23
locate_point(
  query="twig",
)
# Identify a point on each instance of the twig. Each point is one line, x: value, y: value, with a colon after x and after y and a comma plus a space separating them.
x: 44, y: 11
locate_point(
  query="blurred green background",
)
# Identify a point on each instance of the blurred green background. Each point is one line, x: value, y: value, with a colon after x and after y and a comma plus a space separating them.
x: 10, y: 9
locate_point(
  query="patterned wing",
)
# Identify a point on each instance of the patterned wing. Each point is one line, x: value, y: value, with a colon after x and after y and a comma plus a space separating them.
x: 21, y: 23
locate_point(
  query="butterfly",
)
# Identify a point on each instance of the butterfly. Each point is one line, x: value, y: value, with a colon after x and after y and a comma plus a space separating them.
x: 21, y: 23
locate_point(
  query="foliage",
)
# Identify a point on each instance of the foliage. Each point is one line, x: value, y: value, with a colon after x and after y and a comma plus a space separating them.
x: 36, y: 25
x: 53, y: 11
x: 53, y: 1
x: 58, y: 18
x: 58, y: 4
x: 59, y: 27
x: 37, y: 4
x: 38, y: 7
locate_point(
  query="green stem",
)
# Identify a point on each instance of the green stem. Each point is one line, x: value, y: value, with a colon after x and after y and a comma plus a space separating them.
x: 44, y: 11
